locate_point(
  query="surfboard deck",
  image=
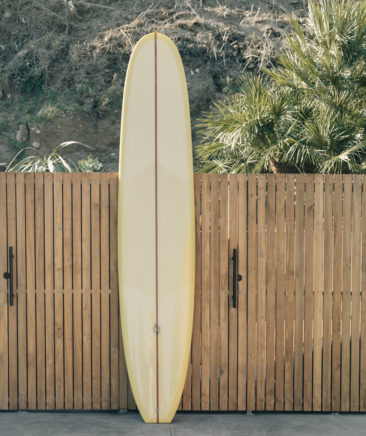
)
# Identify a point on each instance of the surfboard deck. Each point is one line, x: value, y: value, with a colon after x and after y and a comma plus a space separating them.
x: 156, y: 227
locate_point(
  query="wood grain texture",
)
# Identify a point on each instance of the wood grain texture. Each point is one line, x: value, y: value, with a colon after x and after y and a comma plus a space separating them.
x: 363, y: 303
x: 233, y: 311
x: 356, y: 297
x: 59, y: 294
x: 318, y: 291
x: 205, y: 299
x: 280, y: 294
x: 118, y: 383
x: 86, y: 284
x: 242, y: 293
x: 105, y: 292
x: 337, y: 296
x: 308, y: 299
x: 95, y: 285
x: 271, y: 291
x: 261, y: 289
x: 252, y: 291
x: 346, y: 292
x: 77, y: 308
x: 49, y: 292
x: 214, y: 300
x: 224, y: 292
x: 12, y: 311
x: 290, y: 285
x: 4, y: 353
x: 30, y: 292
x: 40, y: 290
x: 301, y: 244
x: 21, y: 291
x: 68, y: 294
x: 299, y: 293
x: 196, y: 333
x: 328, y: 286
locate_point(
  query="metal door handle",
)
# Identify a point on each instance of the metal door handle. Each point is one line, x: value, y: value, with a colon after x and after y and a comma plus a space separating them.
x: 236, y: 277
x: 8, y: 275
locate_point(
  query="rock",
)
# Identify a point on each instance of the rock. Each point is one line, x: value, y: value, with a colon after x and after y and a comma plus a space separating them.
x: 7, y: 15
x: 22, y: 134
x: 36, y: 144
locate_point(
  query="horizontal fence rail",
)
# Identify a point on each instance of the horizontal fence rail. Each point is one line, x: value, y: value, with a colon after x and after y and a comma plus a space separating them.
x: 280, y: 294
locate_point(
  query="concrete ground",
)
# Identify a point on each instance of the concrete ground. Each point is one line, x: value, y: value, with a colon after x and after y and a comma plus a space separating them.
x: 185, y: 424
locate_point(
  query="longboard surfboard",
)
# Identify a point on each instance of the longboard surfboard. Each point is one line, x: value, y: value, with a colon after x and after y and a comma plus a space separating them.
x: 156, y: 227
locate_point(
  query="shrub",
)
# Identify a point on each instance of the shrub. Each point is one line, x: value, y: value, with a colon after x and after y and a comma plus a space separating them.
x: 306, y: 115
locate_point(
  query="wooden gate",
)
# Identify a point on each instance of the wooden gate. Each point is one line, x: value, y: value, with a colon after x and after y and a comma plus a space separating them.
x: 294, y: 338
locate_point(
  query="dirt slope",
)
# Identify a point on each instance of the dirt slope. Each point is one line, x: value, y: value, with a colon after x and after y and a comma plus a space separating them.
x: 63, y: 63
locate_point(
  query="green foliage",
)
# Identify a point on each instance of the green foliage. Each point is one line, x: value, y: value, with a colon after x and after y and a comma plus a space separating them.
x: 306, y: 115
x: 91, y: 164
x: 50, y: 163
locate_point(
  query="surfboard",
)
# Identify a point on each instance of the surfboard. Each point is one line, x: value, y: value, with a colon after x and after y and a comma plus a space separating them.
x: 156, y: 227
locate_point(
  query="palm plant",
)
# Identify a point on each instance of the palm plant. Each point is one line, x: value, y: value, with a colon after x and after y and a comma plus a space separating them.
x: 51, y: 163
x: 306, y: 115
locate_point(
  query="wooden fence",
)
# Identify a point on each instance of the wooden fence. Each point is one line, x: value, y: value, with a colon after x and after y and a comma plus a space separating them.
x: 296, y: 339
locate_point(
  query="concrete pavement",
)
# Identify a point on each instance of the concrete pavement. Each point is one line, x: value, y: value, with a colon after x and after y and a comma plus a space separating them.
x: 184, y: 424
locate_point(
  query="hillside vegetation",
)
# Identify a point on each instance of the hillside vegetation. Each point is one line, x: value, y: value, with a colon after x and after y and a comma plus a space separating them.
x: 63, y: 63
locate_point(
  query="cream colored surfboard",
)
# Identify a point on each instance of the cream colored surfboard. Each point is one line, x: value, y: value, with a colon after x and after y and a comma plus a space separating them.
x: 156, y: 227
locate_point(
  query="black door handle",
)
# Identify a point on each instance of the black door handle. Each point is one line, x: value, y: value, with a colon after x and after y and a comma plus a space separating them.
x: 236, y: 277
x: 9, y: 276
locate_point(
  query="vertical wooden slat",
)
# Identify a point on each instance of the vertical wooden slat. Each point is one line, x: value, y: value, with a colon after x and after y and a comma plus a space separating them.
x: 355, y: 286
x: 242, y: 293
x: 271, y: 290
x: 67, y: 260
x: 289, y: 329
x: 327, y: 312
x: 130, y: 398
x: 318, y: 291
x: 12, y: 313
x: 337, y: 297
x: 224, y: 291
x: 280, y: 295
x: 233, y: 312
x: 363, y: 304
x: 21, y: 291
x: 308, y: 304
x: 346, y: 292
x: 123, y: 384
x: 30, y: 294
x: 261, y: 298
x: 299, y: 294
x: 77, y: 308
x: 252, y: 290
x: 49, y: 294
x: 104, y: 279
x: 40, y: 295
x: 59, y: 300
x: 95, y: 267
x: 205, y: 308
x: 86, y: 282
x: 196, y: 333
x: 187, y: 391
x: 118, y: 386
x: 215, y: 271
x: 4, y: 381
